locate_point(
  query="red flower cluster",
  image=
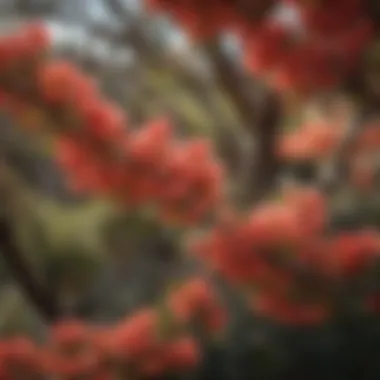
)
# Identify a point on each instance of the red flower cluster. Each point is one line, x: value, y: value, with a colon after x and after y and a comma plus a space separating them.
x: 280, y: 250
x: 195, y: 302
x: 136, y: 345
x: 19, y: 50
x: 334, y: 35
x: 19, y: 358
x: 318, y: 140
x: 76, y: 350
x: 137, y: 342
x: 146, y: 166
x: 317, y: 55
x: 311, y: 141
x: 94, y: 147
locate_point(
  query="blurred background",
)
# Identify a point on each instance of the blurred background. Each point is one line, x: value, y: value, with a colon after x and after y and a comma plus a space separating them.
x: 100, y: 264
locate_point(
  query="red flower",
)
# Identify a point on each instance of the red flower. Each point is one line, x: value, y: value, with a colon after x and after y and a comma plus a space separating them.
x: 197, y: 302
x: 137, y: 334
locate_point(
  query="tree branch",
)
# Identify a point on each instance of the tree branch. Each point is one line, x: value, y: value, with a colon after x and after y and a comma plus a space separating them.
x: 261, y: 115
x: 40, y: 298
x: 266, y: 163
x: 20, y: 270
x: 231, y: 81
